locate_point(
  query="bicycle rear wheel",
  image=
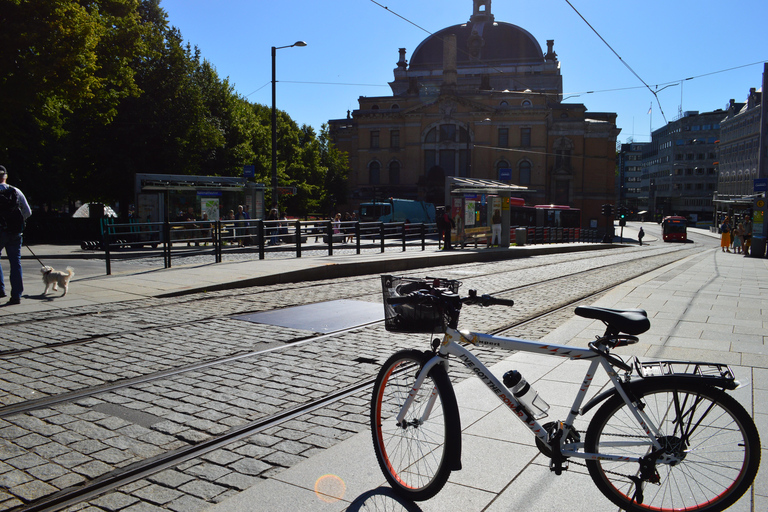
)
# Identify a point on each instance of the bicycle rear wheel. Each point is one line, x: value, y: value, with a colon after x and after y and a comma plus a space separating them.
x: 710, y: 448
x: 418, y: 454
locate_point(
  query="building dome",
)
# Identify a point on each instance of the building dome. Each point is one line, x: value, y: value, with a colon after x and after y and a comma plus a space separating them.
x: 484, y: 43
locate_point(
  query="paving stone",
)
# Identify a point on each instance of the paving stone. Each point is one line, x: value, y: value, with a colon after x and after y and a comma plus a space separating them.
x: 188, y: 504
x: 202, y: 490
x: 115, y: 501
x: 221, y: 457
x: 251, y: 467
x: 48, y: 472
x: 170, y: 478
x: 208, y: 471
x: 33, y: 490
x: 238, y: 481
x: 93, y: 469
x: 68, y: 480
x: 193, y: 436
x: 13, y: 478
x: 157, y: 494
x: 26, y: 461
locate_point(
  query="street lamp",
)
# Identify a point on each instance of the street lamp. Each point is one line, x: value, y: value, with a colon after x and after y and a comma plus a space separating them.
x: 274, y: 119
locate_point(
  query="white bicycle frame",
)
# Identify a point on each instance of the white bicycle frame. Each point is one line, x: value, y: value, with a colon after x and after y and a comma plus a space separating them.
x: 450, y: 347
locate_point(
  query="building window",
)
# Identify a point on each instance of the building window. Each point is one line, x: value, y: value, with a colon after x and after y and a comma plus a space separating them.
x: 526, y: 103
x: 525, y: 137
x: 525, y: 172
x: 448, y: 161
x: 503, y: 137
x: 447, y: 133
x: 374, y: 139
x: 431, y: 136
x: 394, y: 173
x: 374, y: 173
x: 394, y: 139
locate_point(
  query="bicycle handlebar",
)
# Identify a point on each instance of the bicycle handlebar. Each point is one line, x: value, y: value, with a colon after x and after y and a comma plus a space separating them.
x: 473, y: 299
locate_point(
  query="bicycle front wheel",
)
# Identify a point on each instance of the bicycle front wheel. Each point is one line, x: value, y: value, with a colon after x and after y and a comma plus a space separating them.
x: 709, y: 456
x: 417, y: 454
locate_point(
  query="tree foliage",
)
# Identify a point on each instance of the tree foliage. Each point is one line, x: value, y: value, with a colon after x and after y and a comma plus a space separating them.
x: 94, y: 91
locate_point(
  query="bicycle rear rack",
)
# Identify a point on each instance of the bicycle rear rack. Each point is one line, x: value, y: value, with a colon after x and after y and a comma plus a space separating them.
x: 715, y: 374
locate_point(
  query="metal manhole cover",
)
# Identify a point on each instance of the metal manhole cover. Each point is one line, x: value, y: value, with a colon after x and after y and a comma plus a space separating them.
x: 322, y: 317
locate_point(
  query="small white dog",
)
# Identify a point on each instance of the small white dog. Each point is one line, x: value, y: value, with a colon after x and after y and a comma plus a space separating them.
x: 56, y: 278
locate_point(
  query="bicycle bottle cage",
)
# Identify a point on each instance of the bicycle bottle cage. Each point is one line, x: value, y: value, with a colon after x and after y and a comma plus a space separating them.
x: 714, y: 374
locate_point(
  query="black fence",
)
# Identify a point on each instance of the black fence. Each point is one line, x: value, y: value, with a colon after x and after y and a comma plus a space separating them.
x: 257, y: 237
x: 260, y: 237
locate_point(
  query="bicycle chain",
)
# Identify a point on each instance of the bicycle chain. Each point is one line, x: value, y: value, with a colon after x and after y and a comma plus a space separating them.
x: 583, y: 464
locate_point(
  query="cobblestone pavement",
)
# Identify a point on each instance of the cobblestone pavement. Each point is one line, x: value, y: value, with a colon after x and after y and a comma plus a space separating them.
x: 58, y: 446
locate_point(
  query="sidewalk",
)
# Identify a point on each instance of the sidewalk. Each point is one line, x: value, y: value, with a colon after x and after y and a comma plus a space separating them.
x: 709, y: 307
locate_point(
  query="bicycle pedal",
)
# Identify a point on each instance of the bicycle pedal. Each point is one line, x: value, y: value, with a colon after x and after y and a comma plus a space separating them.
x: 558, y: 466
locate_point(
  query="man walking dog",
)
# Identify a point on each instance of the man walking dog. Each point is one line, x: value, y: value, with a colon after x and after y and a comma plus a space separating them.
x: 14, y: 211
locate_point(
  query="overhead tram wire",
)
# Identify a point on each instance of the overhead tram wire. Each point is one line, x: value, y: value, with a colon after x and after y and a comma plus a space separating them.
x: 619, y: 57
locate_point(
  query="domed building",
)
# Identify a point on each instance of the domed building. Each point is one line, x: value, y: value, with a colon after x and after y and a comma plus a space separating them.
x: 479, y: 100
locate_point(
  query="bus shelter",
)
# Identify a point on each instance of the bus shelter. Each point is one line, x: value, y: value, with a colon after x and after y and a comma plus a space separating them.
x: 166, y: 197
x: 473, y: 202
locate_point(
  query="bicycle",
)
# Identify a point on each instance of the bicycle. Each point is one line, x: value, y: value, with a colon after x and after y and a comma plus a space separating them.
x: 666, y: 436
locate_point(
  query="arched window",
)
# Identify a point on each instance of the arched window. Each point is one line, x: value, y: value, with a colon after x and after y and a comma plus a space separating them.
x: 394, y: 172
x: 526, y: 103
x: 374, y: 173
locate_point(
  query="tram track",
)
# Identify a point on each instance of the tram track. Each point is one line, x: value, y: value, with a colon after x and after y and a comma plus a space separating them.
x: 48, y: 401
x: 199, y: 301
x: 138, y: 470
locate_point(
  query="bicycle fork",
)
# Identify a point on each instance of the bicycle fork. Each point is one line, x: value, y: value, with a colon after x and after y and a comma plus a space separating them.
x: 414, y: 391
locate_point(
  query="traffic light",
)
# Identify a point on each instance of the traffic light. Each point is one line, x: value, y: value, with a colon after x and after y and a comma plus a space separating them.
x: 607, y: 210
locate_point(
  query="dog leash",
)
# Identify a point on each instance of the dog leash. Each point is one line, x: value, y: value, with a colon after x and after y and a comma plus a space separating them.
x: 35, y: 255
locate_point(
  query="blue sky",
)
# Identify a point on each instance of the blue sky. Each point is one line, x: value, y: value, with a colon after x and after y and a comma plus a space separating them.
x: 352, y: 48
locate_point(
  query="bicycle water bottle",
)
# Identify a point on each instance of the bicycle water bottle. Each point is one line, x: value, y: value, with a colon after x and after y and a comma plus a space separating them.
x: 525, y: 394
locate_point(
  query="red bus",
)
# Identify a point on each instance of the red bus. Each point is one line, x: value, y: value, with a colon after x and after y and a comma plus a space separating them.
x: 674, y: 229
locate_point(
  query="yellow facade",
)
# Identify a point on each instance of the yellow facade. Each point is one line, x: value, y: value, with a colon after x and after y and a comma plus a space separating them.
x: 479, y: 100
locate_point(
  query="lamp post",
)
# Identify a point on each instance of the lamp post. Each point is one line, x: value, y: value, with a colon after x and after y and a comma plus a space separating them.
x: 274, y: 119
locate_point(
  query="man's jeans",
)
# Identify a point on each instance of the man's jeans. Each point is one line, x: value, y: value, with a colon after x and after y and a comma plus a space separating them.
x: 11, y: 242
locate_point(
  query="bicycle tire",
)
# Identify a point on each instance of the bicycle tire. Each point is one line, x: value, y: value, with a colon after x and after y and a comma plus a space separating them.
x: 416, y: 459
x: 706, y: 473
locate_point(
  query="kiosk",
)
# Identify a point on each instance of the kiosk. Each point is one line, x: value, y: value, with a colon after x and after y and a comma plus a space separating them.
x: 473, y: 202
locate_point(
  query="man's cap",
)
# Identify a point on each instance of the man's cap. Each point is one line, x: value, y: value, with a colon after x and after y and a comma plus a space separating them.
x: 3, y: 172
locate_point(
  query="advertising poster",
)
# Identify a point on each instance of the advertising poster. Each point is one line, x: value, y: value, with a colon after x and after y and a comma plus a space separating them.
x: 210, y: 207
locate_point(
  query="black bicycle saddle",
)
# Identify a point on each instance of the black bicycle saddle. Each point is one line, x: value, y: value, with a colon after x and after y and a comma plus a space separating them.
x: 628, y: 321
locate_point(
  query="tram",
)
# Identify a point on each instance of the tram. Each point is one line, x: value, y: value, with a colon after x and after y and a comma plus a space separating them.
x: 674, y: 229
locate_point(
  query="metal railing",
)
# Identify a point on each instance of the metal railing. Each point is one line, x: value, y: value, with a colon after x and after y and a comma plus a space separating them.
x: 261, y: 237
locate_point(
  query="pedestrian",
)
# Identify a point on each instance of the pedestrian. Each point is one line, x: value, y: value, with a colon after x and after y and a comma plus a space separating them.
x: 738, y: 238
x: 242, y: 227
x: 725, y: 234
x: 14, y: 211
x: 273, y: 226
x: 747, y: 235
x: 640, y: 235
x: 496, y: 228
x: 448, y: 224
x: 350, y: 229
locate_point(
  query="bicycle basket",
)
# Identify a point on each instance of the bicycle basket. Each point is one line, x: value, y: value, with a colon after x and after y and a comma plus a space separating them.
x: 416, y: 317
